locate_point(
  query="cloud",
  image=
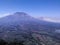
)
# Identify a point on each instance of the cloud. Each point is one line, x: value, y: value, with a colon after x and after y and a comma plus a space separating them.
x: 50, y: 19
x: 3, y: 15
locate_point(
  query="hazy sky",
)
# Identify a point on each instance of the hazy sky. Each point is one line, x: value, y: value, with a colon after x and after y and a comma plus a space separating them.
x: 36, y: 8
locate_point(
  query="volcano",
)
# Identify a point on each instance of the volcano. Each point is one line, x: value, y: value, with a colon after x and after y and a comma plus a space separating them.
x: 22, y: 27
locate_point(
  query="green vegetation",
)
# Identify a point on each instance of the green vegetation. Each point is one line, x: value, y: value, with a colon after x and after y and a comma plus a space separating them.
x: 36, y: 39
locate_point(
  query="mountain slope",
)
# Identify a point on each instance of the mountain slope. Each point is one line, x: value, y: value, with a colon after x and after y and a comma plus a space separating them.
x: 22, y: 27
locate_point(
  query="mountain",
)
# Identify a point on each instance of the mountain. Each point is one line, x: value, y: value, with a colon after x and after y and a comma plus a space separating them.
x: 22, y: 27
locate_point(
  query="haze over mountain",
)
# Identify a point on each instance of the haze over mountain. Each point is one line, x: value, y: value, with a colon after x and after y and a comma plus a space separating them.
x: 49, y: 19
x: 23, y: 27
x: 56, y: 20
